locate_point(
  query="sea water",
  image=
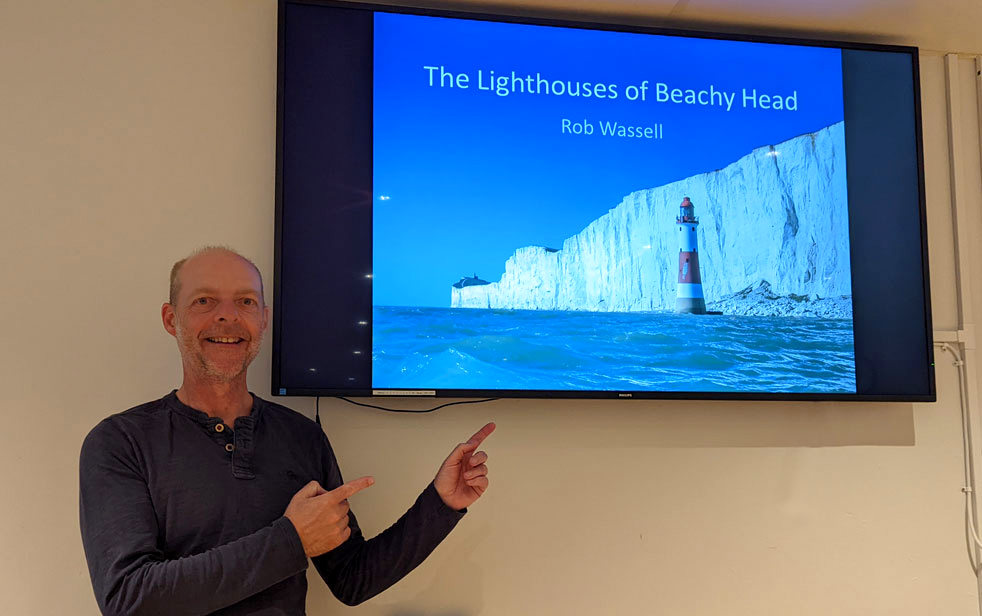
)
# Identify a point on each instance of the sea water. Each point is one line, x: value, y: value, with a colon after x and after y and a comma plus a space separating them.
x: 465, y: 348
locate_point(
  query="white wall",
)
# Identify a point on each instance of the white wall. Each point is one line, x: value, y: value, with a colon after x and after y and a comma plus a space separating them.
x: 132, y: 132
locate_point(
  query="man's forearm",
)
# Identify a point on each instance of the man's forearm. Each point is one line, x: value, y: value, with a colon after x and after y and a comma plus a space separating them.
x: 359, y: 569
x: 201, y: 583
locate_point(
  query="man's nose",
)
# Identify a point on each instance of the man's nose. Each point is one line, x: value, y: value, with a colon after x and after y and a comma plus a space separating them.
x: 226, y: 311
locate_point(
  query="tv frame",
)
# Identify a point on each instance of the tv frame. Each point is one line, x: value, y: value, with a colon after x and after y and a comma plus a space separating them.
x: 277, y: 388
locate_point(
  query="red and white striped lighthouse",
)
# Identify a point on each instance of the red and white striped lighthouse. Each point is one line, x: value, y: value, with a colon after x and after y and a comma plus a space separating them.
x: 689, y: 298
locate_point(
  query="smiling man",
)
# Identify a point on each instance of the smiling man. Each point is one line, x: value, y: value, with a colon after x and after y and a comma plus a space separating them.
x: 210, y: 500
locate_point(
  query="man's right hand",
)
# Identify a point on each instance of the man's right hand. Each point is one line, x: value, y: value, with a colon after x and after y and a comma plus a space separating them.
x: 321, y: 517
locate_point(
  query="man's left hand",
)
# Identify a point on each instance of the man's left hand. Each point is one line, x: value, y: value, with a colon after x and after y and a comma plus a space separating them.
x: 463, y: 478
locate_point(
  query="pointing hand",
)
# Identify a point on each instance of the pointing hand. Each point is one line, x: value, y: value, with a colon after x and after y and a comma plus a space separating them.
x: 321, y: 516
x: 463, y: 477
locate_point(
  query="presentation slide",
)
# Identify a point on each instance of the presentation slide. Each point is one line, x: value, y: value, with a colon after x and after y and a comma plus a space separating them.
x: 570, y: 209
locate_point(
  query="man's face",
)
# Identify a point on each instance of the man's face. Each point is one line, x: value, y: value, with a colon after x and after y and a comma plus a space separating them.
x: 219, y: 316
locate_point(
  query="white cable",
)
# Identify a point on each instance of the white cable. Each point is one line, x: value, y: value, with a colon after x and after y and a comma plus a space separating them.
x: 967, y: 446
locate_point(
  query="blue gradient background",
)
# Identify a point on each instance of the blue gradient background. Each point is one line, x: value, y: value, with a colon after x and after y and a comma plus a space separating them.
x: 470, y: 176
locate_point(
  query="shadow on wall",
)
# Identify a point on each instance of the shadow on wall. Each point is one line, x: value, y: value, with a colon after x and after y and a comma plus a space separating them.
x: 463, y: 571
x: 706, y: 423
x: 603, y: 424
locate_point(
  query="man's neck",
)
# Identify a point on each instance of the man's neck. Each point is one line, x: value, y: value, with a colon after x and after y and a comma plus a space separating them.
x: 227, y: 401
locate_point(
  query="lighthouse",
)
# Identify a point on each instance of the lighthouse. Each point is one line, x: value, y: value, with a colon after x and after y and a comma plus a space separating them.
x: 689, y: 298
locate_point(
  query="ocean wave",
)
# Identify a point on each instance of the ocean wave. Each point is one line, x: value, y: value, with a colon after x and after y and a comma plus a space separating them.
x: 494, y: 349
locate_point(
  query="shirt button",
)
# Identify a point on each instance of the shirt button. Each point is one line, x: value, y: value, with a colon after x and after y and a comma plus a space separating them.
x: 229, y: 447
x: 219, y: 427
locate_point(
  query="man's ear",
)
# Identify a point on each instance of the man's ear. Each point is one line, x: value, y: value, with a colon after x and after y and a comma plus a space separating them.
x: 267, y: 312
x: 168, y: 316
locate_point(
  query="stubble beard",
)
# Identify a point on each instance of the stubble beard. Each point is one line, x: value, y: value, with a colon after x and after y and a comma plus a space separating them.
x: 193, y: 356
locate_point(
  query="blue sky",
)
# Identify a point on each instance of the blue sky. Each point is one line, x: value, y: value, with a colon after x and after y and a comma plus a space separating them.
x: 463, y: 177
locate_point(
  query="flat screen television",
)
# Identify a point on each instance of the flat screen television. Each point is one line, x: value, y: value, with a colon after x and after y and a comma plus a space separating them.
x: 479, y: 205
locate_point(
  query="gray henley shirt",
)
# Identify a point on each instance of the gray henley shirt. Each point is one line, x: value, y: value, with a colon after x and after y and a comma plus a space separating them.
x: 182, y: 514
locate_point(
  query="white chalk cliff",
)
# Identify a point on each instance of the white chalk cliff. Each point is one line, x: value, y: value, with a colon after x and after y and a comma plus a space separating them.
x: 776, y: 216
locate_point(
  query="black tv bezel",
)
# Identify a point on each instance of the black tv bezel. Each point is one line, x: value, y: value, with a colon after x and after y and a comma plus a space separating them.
x: 277, y: 388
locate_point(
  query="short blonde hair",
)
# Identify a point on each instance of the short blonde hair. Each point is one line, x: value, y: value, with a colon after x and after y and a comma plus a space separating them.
x: 175, y: 270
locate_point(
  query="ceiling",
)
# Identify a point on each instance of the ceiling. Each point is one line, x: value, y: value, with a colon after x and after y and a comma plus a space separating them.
x: 932, y: 25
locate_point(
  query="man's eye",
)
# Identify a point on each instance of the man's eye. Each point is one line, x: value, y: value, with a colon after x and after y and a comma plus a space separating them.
x: 201, y: 301
x: 248, y: 301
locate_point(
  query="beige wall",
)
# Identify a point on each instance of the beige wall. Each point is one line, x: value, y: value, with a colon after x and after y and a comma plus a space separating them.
x: 132, y: 132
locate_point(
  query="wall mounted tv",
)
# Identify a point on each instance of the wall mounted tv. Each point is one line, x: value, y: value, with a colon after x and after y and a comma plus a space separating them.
x: 479, y: 205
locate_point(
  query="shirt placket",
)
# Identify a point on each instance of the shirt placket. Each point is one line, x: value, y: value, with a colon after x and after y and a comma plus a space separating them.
x: 242, y: 448
x: 238, y: 444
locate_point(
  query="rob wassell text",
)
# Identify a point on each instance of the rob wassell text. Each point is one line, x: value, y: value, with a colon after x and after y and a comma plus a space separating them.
x: 611, y: 129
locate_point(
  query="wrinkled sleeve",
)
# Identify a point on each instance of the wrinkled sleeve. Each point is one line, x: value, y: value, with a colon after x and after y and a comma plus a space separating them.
x: 130, y: 574
x: 359, y: 569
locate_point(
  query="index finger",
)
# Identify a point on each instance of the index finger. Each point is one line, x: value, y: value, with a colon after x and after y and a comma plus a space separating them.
x: 354, y: 486
x: 479, y: 436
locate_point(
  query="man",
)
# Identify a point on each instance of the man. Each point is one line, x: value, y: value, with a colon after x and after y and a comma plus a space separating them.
x: 211, y: 500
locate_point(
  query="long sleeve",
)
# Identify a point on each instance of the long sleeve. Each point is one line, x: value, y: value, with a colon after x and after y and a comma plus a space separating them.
x: 130, y: 572
x: 357, y: 570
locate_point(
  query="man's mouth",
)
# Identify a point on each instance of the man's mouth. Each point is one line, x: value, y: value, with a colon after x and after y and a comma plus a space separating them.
x: 224, y: 340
